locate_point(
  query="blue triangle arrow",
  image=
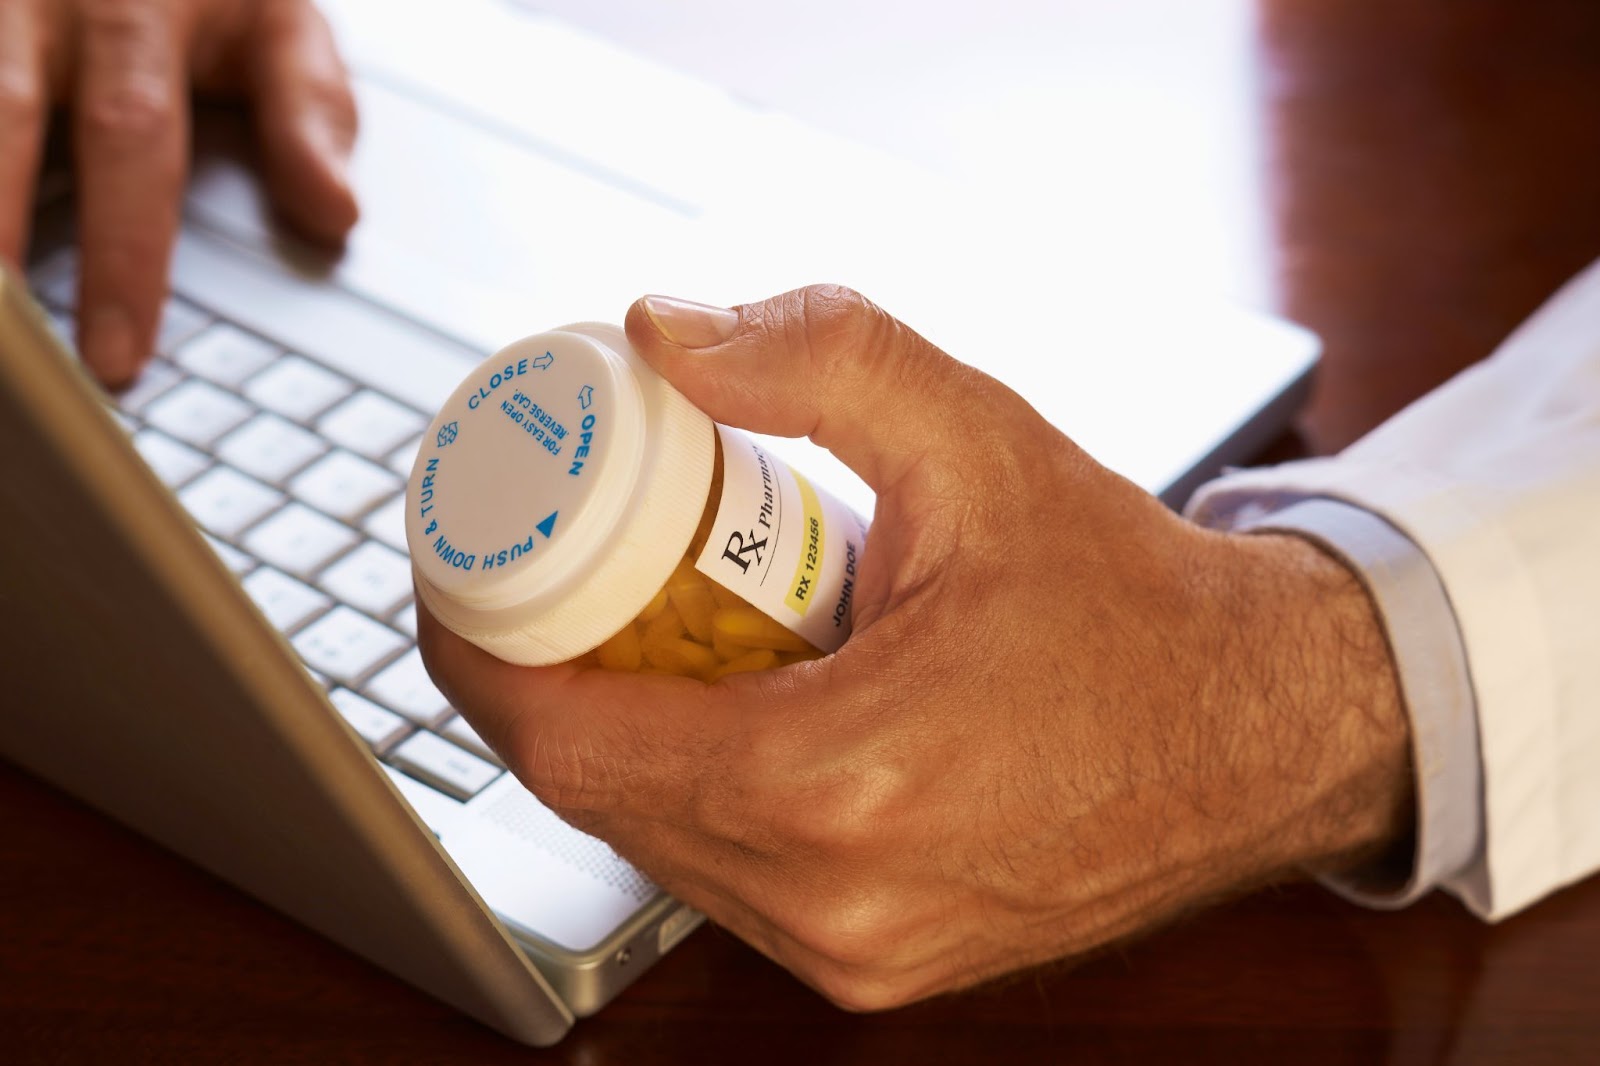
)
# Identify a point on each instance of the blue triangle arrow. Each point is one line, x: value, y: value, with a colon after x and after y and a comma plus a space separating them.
x: 547, y: 525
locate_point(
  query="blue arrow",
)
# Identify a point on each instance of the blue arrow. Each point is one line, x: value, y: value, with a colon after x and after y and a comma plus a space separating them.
x: 543, y: 362
x: 547, y: 525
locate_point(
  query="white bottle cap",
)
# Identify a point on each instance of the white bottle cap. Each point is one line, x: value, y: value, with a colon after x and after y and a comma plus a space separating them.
x: 554, y: 493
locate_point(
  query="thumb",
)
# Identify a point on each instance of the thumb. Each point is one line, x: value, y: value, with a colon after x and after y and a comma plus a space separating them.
x: 822, y: 362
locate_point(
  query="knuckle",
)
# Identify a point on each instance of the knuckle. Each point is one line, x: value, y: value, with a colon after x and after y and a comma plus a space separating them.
x: 837, y: 319
x: 341, y: 107
x: 136, y: 109
x: 855, y: 933
x: 22, y: 100
x: 323, y: 80
x: 861, y: 993
x: 328, y: 92
x: 836, y: 310
x: 839, y: 828
x: 134, y: 99
x: 854, y: 812
x: 844, y: 333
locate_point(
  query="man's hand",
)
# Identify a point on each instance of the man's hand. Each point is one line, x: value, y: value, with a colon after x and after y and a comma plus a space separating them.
x: 125, y: 68
x: 1065, y: 713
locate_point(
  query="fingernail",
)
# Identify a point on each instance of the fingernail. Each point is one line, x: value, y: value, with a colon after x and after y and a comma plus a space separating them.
x: 108, y: 345
x: 688, y: 324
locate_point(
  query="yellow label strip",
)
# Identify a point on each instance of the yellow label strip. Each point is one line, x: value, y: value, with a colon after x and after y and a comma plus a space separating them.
x: 808, y: 567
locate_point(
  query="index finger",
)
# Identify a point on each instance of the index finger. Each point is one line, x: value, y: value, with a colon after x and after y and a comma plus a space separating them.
x: 132, y: 136
x: 22, y: 122
x: 592, y: 740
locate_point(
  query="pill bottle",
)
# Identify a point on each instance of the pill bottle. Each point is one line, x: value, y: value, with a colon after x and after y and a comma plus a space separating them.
x: 569, y: 504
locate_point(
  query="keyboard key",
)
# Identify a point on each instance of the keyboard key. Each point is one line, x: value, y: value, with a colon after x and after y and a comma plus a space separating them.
x: 440, y: 763
x: 270, y: 447
x: 388, y: 523
x: 460, y: 732
x: 344, y: 485
x: 370, y: 425
x: 224, y: 501
x: 375, y: 578
x: 180, y: 320
x: 405, y: 619
x: 235, y: 560
x: 404, y: 686
x: 405, y: 457
x: 436, y: 810
x: 156, y: 378
x: 224, y: 354
x: 297, y: 388
x: 173, y: 463
x: 299, y: 540
x: 345, y: 644
x: 378, y: 727
x: 197, y: 412
x: 286, y: 602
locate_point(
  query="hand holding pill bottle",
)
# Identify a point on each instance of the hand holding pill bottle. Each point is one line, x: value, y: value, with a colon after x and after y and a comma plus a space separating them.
x: 1064, y: 714
x: 569, y: 504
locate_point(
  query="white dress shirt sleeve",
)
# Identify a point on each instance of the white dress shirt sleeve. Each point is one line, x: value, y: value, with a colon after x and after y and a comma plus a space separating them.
x: 1495, y: 477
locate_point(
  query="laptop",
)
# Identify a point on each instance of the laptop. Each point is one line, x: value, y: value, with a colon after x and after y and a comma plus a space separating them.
x: 208, y: 625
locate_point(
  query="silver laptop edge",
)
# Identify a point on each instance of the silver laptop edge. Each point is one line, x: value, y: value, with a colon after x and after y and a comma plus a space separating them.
x: 258, y: 781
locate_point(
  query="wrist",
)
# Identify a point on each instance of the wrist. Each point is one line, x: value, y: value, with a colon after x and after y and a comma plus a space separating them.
x: 1318, y: 717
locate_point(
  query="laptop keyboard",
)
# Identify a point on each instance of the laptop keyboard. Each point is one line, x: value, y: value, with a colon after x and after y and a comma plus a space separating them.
x: 296, y: 475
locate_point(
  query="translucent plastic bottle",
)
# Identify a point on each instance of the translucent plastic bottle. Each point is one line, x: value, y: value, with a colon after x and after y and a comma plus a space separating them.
x: 567, y: 503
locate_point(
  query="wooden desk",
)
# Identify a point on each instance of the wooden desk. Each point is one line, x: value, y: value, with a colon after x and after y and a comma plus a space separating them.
x: 1436, y: 172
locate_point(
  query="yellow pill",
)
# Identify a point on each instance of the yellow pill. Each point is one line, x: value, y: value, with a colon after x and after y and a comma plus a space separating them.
x: 622, y: 651
x: 725, y: 597
x: 662, y: 627
x: 687, y: 591
x: 725, y: 648
x: 657, y: 604
x: 759, y: 659
x: 683, y: 657
x: 751, y: 628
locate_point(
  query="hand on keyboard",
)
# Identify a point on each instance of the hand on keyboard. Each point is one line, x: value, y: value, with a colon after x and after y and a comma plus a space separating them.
x: 125, y: 70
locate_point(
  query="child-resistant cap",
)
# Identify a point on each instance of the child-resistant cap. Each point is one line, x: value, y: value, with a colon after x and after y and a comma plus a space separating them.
x: 553, y: 494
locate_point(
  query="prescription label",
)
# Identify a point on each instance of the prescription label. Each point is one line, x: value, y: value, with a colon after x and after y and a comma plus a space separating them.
x: 784, y: 546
